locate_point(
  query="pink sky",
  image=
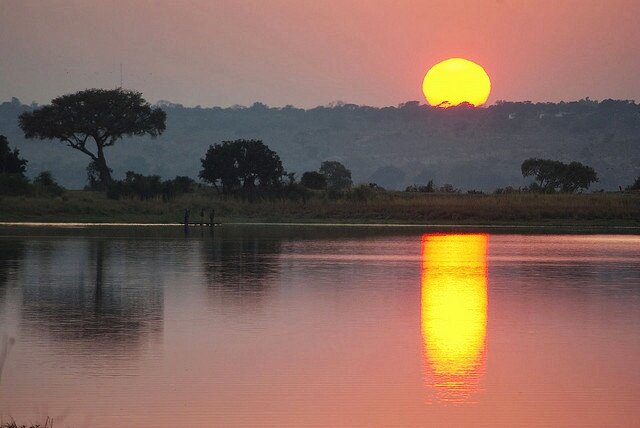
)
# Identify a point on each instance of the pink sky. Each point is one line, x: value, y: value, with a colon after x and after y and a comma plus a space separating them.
x: 312, y: 52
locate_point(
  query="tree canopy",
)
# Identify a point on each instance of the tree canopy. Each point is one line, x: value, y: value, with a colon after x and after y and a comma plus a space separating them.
x: 313, y: 180
x: 337, y: 175
x: 12, y: 168
x: 244, y: 167
x: 470, y: 148
x: 10, y: 161
x: 99, y: 115
x: 552, y: 175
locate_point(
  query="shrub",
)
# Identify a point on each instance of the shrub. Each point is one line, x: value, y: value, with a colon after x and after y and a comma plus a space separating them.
x: 448, y: 188
x: 635, y: 185
x: 421, y: 189
x: 148, y: 187
x: 14, y: 185
x: 314, y: 180
x: 45, y: 184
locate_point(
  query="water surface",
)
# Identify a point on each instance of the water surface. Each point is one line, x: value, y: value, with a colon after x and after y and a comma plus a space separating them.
x: 318, y: 326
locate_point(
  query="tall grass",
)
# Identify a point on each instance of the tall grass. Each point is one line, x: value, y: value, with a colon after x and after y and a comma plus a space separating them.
x: 84, y: 206
x: 47, y: 424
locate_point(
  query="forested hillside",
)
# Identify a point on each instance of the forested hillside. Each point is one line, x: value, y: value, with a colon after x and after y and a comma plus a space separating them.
x: 393, y: 146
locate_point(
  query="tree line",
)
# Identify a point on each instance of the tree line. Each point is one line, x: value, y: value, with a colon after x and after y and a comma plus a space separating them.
x: 93, y: 120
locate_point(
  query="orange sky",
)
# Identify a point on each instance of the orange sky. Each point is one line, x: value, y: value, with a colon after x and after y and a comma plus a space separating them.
x: 312, y: 52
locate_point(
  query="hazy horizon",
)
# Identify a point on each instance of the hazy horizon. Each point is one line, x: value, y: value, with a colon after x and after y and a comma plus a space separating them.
x: 302, y: 53
x: 330, y: 104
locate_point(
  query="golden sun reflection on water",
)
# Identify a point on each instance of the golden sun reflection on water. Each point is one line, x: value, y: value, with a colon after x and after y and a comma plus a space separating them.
x: 454, y: 313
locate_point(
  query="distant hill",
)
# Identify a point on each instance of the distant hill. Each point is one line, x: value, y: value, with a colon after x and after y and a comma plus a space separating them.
x: 392, y: 146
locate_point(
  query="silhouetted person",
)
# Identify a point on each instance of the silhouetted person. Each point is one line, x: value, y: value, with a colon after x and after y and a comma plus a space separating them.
x: 201, y: 216
x: 211, y: 217
x: 186, y: 217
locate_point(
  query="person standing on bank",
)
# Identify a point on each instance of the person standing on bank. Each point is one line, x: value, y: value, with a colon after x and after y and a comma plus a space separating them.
x: 186, y: 217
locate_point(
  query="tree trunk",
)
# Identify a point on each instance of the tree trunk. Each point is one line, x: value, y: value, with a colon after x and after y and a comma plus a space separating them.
x: 103, y: 169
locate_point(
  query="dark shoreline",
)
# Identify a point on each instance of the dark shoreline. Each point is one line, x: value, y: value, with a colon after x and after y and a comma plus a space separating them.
x: 594, y: 211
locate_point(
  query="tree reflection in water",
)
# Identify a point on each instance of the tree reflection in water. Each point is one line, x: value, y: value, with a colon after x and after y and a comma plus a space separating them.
x: 87, y: 294
x: 240, y: 262
x: 11, y: 256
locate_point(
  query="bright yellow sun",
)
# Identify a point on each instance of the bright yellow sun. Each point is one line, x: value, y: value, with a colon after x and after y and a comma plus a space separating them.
x: 455, y: 81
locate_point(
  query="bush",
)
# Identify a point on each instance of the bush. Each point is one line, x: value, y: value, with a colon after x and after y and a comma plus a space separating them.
x: 296, y: 192
x: 448, y: 188
x: 421, y: 189
x: 149, y: 187
x: 506, y: 190
x: 635, y: 185
x: 314, y: 180
x: 14, y: 185
x: 183, y: 184
x: 365, y: 192
x: 337, y: 175
x: 10, y: 160
x: 45, y: 184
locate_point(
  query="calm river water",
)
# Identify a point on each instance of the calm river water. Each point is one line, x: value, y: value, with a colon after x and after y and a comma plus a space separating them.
x: 318, y: 326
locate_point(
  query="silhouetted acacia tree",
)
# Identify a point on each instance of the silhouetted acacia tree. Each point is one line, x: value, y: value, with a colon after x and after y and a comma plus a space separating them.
x: 244, y: 167
x: 337, y: 175
x: 99, y: 115
x: 313, y: 180
x: 577, y: 176
x: 552, y: 175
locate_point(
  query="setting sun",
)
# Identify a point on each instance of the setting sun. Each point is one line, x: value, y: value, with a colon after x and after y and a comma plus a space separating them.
x: 455, y: 81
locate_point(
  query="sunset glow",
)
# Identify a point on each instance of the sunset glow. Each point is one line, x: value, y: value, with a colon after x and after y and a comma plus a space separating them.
x: 454, y: 312
x: 455, y: 81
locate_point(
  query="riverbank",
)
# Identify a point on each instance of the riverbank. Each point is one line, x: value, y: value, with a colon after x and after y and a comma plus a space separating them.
x: 597, y: 209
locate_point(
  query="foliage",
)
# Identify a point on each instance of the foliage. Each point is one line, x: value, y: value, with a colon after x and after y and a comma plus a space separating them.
x: 479, y: 148
x: 14, y: 185
x: 93, y: 176
x: 45, y: 184
x: 635, y: 185
x: 10, y: 161
x: 148, y: 187
x: 296, y: 192
x: 102, y: 115
x: 313, y: 180
x: 12, y: 179
x: 552, y: 175
x: 421, y: 189
x: 183, y: 184
x: 607, y: 209
x: 337, y: 175
x: 448, y: 188
x: 365, y: 192
x: 242, y: 167
x: 508, y: 190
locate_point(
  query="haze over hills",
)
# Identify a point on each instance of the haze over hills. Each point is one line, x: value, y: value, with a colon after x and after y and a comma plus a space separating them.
x: 392, y: 146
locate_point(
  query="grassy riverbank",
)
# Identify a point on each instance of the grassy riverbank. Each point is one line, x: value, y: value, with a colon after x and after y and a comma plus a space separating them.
x: 604, y: 209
